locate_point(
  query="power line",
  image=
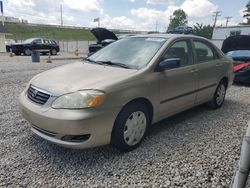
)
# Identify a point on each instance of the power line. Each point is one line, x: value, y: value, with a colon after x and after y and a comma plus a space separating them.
x: 228, y: 19
x: 216, y: 15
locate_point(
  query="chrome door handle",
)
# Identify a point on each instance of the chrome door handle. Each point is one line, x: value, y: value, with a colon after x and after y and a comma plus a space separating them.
x: 218, y: 64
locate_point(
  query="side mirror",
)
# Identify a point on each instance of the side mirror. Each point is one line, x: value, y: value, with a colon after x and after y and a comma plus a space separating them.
x: 169, y: 64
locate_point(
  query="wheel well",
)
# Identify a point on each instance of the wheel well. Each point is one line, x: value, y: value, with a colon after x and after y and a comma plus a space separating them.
x: 146, y: 102
x: 225, y: 79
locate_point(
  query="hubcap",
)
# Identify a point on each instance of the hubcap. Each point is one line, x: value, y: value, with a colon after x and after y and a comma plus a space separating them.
x: 135, y: 128
x: 53, y: 52
x: 220, y: 94
x: 27, y: 52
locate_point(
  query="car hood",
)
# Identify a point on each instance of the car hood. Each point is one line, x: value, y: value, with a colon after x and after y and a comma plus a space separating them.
x: 102, y: 34
x: 79, y: 76
x: 238, y: 42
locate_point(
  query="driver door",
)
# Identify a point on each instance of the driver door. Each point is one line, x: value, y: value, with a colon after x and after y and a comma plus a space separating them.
x: 178, y: 86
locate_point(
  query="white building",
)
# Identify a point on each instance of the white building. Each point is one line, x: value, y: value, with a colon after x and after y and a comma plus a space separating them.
x: 221, y: 33
x: 12, y: 19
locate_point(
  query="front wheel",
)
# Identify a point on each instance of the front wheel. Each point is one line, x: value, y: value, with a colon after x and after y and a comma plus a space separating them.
x: 219, y: 96
x: 130, y: 127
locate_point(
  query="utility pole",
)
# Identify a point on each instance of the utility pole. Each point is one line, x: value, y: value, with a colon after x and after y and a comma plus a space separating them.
x: 227, y: 20
x: 156, y: 26
x: 61, y: 16
x: 216, y: 15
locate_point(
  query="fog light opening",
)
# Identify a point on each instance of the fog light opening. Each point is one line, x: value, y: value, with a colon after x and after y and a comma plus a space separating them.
x: 75, y: 138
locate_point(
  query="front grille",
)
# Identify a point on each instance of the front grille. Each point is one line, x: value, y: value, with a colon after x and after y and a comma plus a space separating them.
x: 37, y: 96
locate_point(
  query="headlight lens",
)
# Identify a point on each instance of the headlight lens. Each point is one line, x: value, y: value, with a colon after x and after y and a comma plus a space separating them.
x: 79, y: 100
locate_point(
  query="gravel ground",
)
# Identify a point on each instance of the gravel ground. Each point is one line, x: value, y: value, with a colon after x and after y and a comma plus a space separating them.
x: 197, y: 148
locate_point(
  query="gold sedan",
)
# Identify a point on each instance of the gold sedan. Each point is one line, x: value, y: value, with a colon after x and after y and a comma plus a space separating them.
x: 116, y: 94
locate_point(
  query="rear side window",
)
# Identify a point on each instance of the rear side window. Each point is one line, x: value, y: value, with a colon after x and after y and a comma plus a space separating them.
x: 204, y: 52
x: 38, y: 41
x: 46, y: 41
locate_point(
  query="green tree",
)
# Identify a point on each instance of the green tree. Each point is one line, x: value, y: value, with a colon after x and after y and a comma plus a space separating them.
x: 247, y: 13
x: 203, y: 30
x: 179, y: 18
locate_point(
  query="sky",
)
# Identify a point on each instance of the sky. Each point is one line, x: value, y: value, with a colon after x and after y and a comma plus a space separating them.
x: 124, y: 14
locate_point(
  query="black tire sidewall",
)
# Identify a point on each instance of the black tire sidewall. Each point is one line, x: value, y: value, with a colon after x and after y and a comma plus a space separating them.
x: 117, y: 137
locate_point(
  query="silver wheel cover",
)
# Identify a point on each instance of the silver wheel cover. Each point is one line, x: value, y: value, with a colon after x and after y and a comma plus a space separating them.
x: 220, y: 95
x: 27, y: 51
x: 135, y: 128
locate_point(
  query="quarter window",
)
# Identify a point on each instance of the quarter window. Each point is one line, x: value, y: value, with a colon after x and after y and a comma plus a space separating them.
x: 179, y: 50
x: 204, y: 52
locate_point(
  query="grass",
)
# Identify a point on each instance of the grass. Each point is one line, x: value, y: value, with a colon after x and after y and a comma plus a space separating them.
x: 22, y: 31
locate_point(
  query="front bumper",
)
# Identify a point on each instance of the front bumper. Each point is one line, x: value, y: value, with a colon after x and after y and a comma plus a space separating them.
x: 94, y: 125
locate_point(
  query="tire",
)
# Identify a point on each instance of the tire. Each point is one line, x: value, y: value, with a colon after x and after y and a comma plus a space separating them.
x: 27, y: 52
x: 53, y: 52
x: 130, y: 127
x: 219, y: 95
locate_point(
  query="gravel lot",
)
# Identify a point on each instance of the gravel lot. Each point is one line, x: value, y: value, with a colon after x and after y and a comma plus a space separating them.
x: 197, y: 148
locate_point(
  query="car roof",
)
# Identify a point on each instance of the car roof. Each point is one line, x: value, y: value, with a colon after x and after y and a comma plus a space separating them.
x: 170, y: 36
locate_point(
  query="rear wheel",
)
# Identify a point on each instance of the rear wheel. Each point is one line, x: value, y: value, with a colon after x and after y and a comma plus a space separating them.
x: 27, y: 52
x: 130, y: 127
x: 53, y: 52
x: 219, y: 95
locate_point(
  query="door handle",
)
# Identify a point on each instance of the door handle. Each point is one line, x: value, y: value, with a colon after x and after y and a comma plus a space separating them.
x: 194, y: 71
x: 218, y: 64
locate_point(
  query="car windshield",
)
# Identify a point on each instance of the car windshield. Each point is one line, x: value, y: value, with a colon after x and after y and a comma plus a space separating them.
x: 239, y: 53
x: 135, y: 52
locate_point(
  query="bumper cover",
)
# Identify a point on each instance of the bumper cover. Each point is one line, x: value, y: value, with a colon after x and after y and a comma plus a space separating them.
x: 94, y: 122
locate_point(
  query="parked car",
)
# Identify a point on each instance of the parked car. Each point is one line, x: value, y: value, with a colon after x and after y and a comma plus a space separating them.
x: 104, y: 37
x: 181, y: 30
x: 116, y: 94
x: 238, y: 48
x: 42, y: 44
x: 8, y: 43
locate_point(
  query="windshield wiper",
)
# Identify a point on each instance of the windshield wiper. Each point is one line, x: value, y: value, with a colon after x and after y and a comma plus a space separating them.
x: 115, y: 64
x: 92, y: 61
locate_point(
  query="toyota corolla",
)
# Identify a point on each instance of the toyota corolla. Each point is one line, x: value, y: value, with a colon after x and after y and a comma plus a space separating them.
x: 116, y: 94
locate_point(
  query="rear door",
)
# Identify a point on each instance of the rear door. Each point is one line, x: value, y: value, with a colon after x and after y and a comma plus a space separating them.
x: 178, y: 86
x: 208, y: 65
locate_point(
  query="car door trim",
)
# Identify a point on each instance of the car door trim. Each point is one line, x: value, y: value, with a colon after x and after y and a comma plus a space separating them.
x: 189, y: 93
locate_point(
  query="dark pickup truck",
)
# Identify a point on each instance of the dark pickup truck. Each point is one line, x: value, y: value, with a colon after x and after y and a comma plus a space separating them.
x: 41, y: 44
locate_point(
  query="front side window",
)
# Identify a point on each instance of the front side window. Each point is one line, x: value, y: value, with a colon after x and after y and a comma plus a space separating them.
x: 135, y: 52
x: 204, y: 53
x: 179, y: 50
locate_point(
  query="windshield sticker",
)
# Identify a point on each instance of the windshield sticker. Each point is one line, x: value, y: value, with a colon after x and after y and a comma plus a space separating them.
x: 155, y: 39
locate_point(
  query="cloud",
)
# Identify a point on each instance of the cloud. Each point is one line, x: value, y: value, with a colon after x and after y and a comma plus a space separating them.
x: 85, y: 6
x: 120, y: 22
x: 199, y: 8
x: 171, y: 2
x: 197, y: 11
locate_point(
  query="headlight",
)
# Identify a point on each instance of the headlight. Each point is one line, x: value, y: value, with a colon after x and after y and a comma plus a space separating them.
x: 79, y: 100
